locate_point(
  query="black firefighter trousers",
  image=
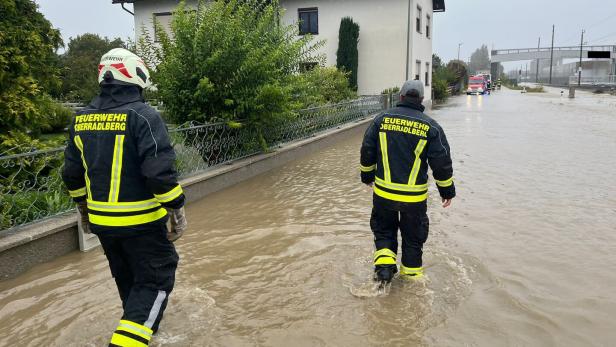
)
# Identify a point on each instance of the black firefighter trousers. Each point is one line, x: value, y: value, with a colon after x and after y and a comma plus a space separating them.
x: 143, y: 266
x: 413, y: 227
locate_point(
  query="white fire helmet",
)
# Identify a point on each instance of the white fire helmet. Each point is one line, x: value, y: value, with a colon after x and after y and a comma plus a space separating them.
x: 124, y: 66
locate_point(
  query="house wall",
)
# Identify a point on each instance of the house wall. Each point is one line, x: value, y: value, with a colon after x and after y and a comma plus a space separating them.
x: 382, y: 43
x: 382, y: 38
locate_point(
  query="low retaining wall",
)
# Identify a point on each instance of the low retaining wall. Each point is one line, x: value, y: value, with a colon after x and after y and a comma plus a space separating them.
x: 53, y: 237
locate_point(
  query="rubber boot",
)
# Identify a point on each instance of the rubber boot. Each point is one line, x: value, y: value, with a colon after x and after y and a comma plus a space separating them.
x: 384, y: 273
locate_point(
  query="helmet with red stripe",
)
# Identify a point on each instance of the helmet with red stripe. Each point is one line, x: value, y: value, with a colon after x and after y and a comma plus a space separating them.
x: 122, y: 65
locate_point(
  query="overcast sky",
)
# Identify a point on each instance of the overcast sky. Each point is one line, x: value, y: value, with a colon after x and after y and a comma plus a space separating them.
x: 496, y: 23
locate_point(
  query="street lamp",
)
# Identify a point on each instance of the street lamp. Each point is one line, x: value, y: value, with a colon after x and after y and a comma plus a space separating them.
x: 459, y: 45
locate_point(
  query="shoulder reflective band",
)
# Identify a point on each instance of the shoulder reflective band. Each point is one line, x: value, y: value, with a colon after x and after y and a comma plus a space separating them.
x: 132, y: 206
x: 116, y: 168
x: 417, y: 164
x: 124, y: 221
x: 170, y: 195
x: 383, y: 143
x: 77, y: 192
x: 367, y: 168
x: 445, y: 183
x: 398, y: 197
x: 79, y: 145
x: 401, y: 187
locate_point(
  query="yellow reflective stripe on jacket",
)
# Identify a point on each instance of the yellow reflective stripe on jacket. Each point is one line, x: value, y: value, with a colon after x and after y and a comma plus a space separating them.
x: 384, y: 252
x: 170, y: 195
x: 401, y: 187
x: 77, y: 192
x: 399, y: 197
x: 445, y: 183
x: 116, y: 168
x: 367, y: 168
x: 383, y: 142
x: 79, y: 145
x: 417, y: 164
x: 123, y: 221
x: 131, y: 206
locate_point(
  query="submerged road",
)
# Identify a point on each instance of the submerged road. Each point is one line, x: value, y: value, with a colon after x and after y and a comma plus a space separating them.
x: 525, y: 256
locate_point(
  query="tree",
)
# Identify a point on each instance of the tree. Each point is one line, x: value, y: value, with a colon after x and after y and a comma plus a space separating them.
x: 79, y: 65
x: 480, y: 59
x: 28, y: 67
x: 437, y: 63
x: 347, y: 56
x: 227, y: 61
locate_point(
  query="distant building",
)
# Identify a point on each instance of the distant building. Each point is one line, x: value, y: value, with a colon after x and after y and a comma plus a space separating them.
x: 395, y: 40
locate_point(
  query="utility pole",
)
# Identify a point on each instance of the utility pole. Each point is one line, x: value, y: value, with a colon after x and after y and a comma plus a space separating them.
x: 538, y: 49
x: 580, y: 68
x: 552, y: 55
x: 459, y: 45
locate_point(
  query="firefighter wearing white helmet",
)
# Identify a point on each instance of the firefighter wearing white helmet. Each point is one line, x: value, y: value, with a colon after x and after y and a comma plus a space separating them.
x: 119, y: 169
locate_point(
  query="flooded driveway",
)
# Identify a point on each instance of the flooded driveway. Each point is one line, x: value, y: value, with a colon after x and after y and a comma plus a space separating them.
x: 525, y: 256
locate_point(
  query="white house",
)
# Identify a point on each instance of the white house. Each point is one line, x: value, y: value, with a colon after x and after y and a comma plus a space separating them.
x: 395, y: 38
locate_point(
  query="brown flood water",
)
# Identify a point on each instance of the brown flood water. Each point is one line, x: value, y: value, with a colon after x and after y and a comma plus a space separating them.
x: 525, y: 257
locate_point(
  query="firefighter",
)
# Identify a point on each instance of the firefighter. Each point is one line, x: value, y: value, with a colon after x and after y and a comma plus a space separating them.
x: 398, y: 147
x: 119, y: 169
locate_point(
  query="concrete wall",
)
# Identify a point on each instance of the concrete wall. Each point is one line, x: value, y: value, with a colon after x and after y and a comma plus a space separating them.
x: 54, y: 237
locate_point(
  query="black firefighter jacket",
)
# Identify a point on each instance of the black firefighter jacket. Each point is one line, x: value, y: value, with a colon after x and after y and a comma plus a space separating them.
x: 398, y: 147
x: 120, y: 159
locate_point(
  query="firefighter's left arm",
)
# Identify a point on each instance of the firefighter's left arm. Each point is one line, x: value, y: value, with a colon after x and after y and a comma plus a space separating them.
x: 73, y: 173
x: 368, y: 154
x: 439, y: 159
x: 158, y: 158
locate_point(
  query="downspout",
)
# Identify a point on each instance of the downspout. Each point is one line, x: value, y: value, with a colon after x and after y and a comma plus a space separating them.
x: 127, y: 10
x: 408, y: 40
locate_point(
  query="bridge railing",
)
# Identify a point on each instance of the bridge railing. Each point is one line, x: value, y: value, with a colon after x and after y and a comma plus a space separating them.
x: 594, y: 81
x: 31, y: 187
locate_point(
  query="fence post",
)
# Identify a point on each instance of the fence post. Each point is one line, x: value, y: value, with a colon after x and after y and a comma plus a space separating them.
x: 86, y: 241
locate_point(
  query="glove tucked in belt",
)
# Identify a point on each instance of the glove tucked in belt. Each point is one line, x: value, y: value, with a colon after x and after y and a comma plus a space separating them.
x: 177, y: 217
x: 82, y: 207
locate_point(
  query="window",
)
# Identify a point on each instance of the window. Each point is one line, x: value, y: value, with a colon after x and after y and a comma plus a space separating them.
x: 418, y: 71
x: 308, y: 21
x: 418, y: 20
x: 164, y: 20
x: 427, y: 74
x: 428, y: 26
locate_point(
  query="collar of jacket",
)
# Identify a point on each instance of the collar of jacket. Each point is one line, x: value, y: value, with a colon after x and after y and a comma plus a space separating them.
x: 414, y: 106
x: 115, y: 95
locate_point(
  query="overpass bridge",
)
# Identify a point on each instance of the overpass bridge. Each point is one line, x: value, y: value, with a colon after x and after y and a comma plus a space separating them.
x: 567, y: 52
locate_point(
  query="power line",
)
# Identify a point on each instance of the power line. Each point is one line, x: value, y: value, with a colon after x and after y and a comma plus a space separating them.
x: 574, y: 37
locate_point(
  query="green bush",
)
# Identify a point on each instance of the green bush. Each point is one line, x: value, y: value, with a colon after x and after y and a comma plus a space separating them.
x: 226, y: 60
x: 439, y: 88
x: 322, y: 85
x: 391, y: 90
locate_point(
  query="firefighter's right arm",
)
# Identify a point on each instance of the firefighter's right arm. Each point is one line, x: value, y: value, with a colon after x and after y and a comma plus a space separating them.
x: 73, y: 173
x: 368, y: 155
x: 158, y: 159
x: 439, y: 159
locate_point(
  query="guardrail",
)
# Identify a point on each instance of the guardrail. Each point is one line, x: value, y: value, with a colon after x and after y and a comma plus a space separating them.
x: 31, y: 187
x: 594, y: 81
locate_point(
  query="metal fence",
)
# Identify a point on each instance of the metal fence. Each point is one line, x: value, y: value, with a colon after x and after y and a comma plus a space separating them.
x: 31, y: 187
x: 594, y: 81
